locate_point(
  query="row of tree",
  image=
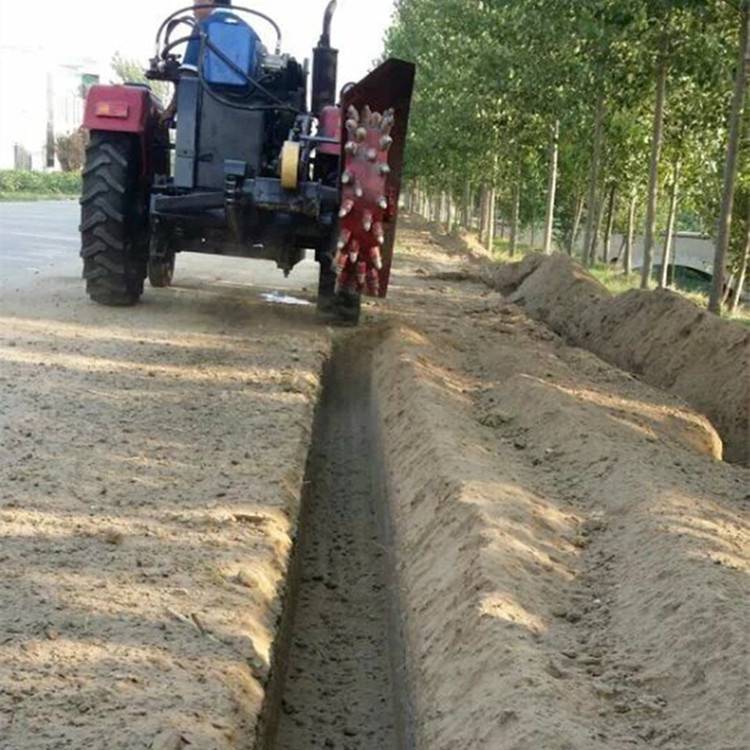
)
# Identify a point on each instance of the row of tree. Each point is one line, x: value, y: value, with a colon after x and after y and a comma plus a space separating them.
x: 586, y: 116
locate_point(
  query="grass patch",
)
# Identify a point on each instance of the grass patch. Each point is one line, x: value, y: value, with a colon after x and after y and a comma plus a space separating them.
x: 615, y: 279
x: 24, y: 197
x: 502, y: 251
x: 20, y: 185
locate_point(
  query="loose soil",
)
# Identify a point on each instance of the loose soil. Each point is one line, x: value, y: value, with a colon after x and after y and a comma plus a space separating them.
x: 575, y: 561
x: 151, y: 465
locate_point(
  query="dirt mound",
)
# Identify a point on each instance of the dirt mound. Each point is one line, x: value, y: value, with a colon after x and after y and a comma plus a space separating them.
x: 661, y: 337
x: 672, y: 343
x: 562, y: 562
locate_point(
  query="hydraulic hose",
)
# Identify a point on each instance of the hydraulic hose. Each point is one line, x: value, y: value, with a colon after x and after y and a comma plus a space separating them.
x: 325, y: 39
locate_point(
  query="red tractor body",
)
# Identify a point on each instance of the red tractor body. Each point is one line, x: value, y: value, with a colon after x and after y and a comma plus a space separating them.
x: 241, y: 165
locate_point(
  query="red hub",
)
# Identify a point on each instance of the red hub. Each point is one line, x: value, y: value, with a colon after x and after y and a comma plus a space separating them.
x: 365, y: 207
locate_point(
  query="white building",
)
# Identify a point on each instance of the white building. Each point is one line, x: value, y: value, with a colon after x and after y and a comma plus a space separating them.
x: 40, y: 99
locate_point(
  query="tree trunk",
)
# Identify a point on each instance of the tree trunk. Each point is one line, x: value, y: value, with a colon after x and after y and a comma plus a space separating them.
x: 669, y: 239
x: 610, y: 222
x: 532, y: 239
x: 744, y: 268
x: 596, y: 160
x: 467, y: 212
x: 594, y: 252
x: 549, y: 220
x: 731, y: 166
x: 516, y: 217
x: 489, y: 240
x: 577, y: 216
x: 656, y: 146
x: 484, y: 218
x: 630, y: 241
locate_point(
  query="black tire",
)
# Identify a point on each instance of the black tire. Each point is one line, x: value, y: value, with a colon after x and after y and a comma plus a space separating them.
x: 114, y: 223
x: 343, y: 307
x: 161, y: 272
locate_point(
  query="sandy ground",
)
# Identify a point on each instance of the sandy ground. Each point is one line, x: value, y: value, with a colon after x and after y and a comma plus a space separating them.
x: 575, y: 562
x: 573, y: 559
x: 151, y: 463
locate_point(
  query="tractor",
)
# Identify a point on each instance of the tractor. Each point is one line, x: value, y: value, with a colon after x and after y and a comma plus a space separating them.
x: 250, y: 160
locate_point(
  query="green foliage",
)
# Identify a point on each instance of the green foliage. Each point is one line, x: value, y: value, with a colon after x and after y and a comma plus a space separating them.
x: 71, y: 150
x: 494, y: 75
x: 16, y: 182
x: 128, y: 70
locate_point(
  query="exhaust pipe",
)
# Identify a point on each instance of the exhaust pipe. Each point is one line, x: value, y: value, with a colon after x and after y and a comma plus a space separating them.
x: 325, y: 66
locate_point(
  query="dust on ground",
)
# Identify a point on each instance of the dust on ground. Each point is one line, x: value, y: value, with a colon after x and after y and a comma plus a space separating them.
x: 151, y: 463
x: 574, y: 560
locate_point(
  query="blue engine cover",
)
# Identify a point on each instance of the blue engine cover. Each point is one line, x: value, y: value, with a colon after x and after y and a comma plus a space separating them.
x: 237, y: 41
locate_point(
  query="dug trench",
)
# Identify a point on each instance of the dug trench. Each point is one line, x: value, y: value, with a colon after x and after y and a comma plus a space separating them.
x: 338, y: 676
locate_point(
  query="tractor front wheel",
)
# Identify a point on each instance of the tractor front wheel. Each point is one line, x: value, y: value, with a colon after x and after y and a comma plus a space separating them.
x: 114, y: 222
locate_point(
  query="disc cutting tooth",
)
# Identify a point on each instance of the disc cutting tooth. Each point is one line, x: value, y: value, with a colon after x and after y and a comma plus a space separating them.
x: 361, y: 273
x: 351, y: 147
x: 372, y: 154
x: 361, y: 134
x: 344, y: 238
x: 346, y: 208
x: 386, y: 142
x: 384, y: 169
x: 367, y: 220
x: 358, y: 191
x: 346, y: 177
x: 354, y: 252
x: 383, y: 203
x: 352, y: 114
x: 373, y: 282
x: 389, y: 121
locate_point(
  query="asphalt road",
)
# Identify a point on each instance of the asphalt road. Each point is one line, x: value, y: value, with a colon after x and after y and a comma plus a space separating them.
x: 40, y: 240
x: 36, y: 238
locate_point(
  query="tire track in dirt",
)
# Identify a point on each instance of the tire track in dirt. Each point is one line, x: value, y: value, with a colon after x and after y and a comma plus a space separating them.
x: 342, y: 688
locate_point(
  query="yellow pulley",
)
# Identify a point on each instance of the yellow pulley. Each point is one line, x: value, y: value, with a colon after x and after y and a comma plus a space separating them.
x: 290, y: 154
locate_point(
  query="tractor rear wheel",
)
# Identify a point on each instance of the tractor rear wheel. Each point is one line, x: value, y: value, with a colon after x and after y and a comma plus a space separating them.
x: 161, y: 271
x: 114, y: 220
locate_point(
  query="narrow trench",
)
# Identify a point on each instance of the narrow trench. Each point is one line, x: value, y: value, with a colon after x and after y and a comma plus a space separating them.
x: 340, y: 663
